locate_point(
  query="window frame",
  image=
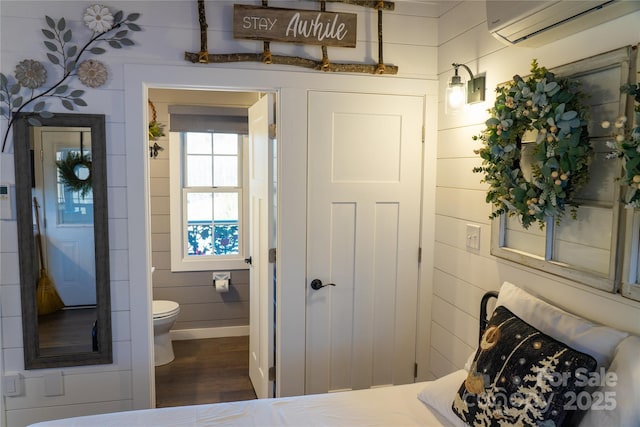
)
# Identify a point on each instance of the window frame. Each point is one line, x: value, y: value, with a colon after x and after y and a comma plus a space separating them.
x: 548, y: 264
x: 619, y: 258
x: 630, y: 282
x: 180, y: 261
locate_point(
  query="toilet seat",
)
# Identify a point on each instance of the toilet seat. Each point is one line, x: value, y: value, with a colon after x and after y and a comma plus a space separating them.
x: 162, y: 309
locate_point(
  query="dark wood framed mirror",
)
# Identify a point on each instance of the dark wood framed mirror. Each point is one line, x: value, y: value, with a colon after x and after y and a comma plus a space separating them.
x: 63, y: 239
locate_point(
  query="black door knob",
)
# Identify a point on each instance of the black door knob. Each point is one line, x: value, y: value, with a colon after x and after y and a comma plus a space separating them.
x: 317, y: 284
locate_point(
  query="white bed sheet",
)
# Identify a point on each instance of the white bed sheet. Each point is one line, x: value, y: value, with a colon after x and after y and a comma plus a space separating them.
x: 385, y: 406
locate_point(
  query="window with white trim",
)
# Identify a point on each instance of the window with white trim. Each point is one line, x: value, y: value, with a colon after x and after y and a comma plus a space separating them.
x: 207, y: 198
x: 212, y: 194
x: 585, y: 249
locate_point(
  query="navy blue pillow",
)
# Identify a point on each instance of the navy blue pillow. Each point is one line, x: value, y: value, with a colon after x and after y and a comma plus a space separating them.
x: 521, y: 376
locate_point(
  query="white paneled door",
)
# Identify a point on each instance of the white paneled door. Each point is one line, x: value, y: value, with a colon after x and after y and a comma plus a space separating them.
x: 261, y: 309
x: 364, y: 197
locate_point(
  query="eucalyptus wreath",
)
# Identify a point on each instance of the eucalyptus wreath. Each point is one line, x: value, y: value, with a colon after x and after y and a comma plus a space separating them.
x: 626, y: 145
x: 551, y: 109
x: 67, y: 169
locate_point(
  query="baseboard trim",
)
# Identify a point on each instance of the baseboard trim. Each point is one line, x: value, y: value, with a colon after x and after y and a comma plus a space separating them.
x: 201, y: 333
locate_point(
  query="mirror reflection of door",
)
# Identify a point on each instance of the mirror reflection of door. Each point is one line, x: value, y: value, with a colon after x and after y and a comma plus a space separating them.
x: 66, y: 224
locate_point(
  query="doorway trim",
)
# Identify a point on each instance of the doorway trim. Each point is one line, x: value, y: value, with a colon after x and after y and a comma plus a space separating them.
x: 292, y: 88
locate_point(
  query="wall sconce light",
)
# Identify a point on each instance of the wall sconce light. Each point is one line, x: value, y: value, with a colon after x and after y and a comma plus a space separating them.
x: 458, y: 95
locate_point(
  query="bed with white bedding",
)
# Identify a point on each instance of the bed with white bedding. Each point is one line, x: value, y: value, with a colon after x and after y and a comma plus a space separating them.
x: 387, y: 406
x: 550, y: 337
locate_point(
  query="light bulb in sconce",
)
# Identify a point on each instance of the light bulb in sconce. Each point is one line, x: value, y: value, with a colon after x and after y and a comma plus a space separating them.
x: 458, y: 94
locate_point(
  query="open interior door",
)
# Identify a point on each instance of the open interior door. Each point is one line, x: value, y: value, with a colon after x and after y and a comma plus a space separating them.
x: 261, y: 273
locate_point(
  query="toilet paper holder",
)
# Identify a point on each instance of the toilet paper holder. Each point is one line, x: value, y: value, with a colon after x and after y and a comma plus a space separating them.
x: 221, y: 275
x: 222, y: 281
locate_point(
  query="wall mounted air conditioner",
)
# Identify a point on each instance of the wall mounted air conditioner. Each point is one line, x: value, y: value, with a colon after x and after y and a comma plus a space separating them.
x: 535, y: 23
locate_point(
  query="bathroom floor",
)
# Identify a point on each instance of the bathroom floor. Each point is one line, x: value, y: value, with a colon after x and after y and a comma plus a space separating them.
x: 205, y: 371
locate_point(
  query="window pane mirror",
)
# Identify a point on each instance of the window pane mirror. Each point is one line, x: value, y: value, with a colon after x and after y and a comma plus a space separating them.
x: 61, y: 206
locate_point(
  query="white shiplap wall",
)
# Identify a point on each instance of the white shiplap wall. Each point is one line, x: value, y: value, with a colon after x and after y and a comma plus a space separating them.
x: 461, y: 276
x: 423, y: 46
x: 170, y: 29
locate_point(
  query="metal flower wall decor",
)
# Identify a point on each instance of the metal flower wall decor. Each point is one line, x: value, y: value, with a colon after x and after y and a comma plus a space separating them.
x: 27, y: 90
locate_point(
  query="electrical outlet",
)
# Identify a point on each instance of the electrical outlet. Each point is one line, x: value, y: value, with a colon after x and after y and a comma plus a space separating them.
x: 53, y: 383
x: 473, y: 237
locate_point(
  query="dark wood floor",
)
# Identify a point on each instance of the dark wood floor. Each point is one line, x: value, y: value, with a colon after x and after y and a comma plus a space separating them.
x: 66, y: 331
x: 205, y: 371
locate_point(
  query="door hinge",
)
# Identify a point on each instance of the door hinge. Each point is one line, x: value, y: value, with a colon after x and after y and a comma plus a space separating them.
x: 419, y: 255
x: 272, y: 255
x: 423, y: 133
x: 272, y: 131
x: 415, y: 370
x: 272, y: 373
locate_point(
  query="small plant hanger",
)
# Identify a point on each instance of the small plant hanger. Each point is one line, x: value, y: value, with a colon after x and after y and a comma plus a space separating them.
x: 156, y: 130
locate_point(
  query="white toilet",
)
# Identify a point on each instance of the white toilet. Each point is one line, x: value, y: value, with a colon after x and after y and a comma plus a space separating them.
x: 165, y: 314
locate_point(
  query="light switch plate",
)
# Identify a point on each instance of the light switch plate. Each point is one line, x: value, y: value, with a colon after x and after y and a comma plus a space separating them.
x: 6, y: 208
x: 12, y: 384
x: 473, y: 236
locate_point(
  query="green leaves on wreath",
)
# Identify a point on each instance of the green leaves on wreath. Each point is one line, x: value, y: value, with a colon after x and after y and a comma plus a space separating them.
x: 67, y: 169
x: 633, y: 90
x: 560, y: 155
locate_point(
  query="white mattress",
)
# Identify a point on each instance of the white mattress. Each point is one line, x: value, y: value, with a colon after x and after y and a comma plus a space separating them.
x: 386, y: 406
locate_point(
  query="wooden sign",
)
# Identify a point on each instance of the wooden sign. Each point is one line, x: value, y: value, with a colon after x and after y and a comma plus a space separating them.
x: 294, y: 26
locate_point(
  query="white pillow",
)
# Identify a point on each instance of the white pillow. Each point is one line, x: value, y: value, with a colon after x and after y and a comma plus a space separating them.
x: 576, y: 332
x: 623, y: 393
x: 438, y: 394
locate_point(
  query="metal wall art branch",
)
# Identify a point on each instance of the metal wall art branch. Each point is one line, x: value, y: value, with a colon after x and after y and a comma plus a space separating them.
x: 267, y: 57
x: 26, y: 91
